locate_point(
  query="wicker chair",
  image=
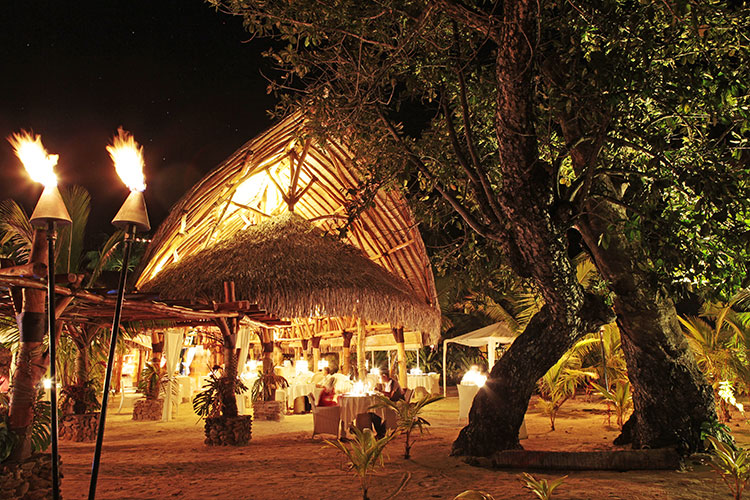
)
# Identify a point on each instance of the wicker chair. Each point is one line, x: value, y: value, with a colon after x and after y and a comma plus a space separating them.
x: 326, y: 419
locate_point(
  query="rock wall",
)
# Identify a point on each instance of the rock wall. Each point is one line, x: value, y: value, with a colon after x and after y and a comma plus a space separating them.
x: 30, y: 479
x: 268, y: 410
x: 224, y: 431
x: 78, y: 428
x: 148, y: 409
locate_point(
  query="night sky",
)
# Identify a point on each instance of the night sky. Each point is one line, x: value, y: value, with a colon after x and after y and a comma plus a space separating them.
x: 186, y: 81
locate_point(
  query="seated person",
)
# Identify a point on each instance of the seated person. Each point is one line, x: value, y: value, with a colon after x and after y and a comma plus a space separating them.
x: 390, y: 388
x: 328, y: 395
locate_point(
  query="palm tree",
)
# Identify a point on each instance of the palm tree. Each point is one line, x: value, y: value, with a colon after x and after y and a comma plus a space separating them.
x: 560, y: 382
x: 24, y: 244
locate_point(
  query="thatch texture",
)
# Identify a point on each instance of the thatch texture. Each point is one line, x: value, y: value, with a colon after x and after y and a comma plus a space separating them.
x: 293, y: 269
x: 246, y: 189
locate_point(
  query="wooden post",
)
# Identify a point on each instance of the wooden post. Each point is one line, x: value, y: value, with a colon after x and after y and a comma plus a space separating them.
x: 345, y: 352
x: 141, y: 361
x: 316, y: 352
x: 117, y: 375
x: 157, y: 347
x: 278, y: 354
x: 361, y: 355
x: 398, y: 335
x: 305, y: 347
x: 266, y: 341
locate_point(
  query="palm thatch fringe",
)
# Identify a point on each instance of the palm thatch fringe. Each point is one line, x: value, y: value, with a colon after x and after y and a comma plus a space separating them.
x: 295, y: 270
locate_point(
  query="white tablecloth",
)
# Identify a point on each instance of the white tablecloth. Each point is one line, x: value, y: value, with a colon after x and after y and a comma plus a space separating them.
x: 466, y: 395
x: 351, y: 406
x: 429, y: 382
x: 295, y: 391
x: 186, y: 387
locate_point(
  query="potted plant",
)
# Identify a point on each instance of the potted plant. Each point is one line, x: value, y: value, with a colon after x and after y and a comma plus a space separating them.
x: 79, y: 408
x: 151, y: 405
x: 223, y: 426
x: 263, y: 394
x: 79, y: 403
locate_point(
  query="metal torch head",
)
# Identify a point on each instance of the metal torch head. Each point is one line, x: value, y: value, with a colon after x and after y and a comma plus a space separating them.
x: 50, y: 207
x: 133, y: 211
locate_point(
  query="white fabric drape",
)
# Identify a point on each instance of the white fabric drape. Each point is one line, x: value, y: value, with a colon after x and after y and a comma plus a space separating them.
x: 243, y: 342
x: 173, y: 339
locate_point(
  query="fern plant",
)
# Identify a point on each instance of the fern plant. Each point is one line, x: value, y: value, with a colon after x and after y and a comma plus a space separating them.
x: 364, y: 453
x: 733, y: 465
x: 540, y: 487
x: 408, y: 417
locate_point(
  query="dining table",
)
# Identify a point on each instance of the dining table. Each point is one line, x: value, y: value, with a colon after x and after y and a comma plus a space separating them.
x: 357, y: 404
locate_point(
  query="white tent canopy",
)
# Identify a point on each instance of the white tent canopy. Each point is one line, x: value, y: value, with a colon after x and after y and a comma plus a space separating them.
x: 491, y: 336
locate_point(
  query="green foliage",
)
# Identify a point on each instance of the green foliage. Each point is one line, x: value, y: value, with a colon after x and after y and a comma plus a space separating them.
x: 264, y: 387
x: 7, y: 438
x: 718, y: 431
x: 408, y: 417
x: 560, y: 381
x: 79, y: 398
x: 41, y: 425
x: 149, y: 381
x: 208, y: 402
x: 619, y: 396
x: 364, y: 453
x: 540, y: 487
x: 720, y: 342
x: 733, y: 465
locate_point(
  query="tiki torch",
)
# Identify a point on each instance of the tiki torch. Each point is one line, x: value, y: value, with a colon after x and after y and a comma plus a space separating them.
x: 127, y: 156
x: 49, y: 209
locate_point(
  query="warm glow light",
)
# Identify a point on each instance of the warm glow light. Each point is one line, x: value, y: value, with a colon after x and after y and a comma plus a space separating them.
x: 415, y: 371
x: 301, y: 366
x: 127, y: 156
x: 47, y: 382
x: 375, y: 371
x: 473, y: 377
x: 36, y: 161
x: 323, y: 363
x: 358, y: 388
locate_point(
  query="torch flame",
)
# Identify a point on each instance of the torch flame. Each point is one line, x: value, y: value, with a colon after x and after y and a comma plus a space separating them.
x: 127, y: 156
x: 36, y: 161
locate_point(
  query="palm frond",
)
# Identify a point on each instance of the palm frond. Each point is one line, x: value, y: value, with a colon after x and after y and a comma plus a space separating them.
x: 71, y: 237
x: 106, y: 254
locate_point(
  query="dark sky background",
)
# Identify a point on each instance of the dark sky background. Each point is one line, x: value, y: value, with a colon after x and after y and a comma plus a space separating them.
x: 186, y: 81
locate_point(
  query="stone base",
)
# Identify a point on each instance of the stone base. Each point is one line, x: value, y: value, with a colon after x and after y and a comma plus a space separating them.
x: 224, y: 431
x: 268, y: 410
x: 30, y: 479
x: 148, y: 409
x: 78, y: 428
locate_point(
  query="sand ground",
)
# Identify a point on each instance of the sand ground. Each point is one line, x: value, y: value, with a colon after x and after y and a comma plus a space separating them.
x: 158, y: 460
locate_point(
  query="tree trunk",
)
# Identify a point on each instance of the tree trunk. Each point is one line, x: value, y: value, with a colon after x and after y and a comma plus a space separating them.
x: 499, y: 407
x: 31, y: 364
x: 82, y: 364
x: 361, y: 350
x: 671, y: 397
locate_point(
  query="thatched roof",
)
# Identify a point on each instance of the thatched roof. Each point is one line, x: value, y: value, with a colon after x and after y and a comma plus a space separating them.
x: 249, y: 187
x: 293, y: 269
